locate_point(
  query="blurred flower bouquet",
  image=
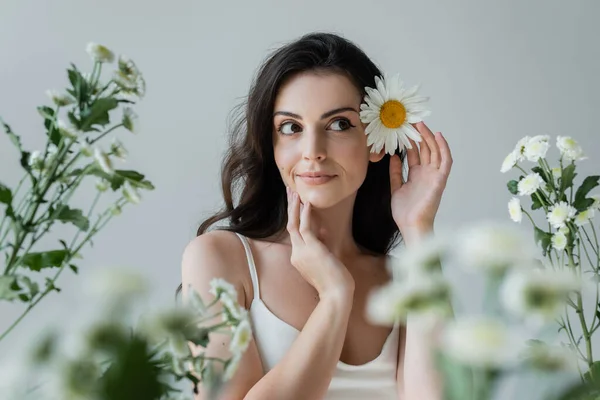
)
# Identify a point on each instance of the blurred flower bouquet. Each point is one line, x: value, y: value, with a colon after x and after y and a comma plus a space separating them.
x: 107, y: 359
x: 508, y: 334
x: 114, y: 361
x: 569, y: 241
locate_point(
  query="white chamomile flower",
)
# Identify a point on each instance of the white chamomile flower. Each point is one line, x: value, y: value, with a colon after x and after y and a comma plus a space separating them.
x: 131, y: 194
x: 538, y: 295
x: 232, y: 366
x: 520, y: 148
x: 493, y: 246
x: 514, y: 209
x: 529, y: 184
x: 569, y: 149
x: 102, y: 185
x: 60, y: 99
x: 115, y: 210
x: 561, y: 213
x: 242, y: 335
x: 482, y: 342
x: 509, y: 162
x: 100, y: 53
x: 389, y: 111
x: 103, y: 161
x: 559, y: 241
x: 118, y: 283
x: 536, y: 148
x: 219, y: 286
x: 66, y: 129
x: 564, y: 230
x: 118, y: 149
x: 231, y: 308
x: 584, y: 217
x: 130, y: 120
x: 196, y: 300
x: 419, y: 296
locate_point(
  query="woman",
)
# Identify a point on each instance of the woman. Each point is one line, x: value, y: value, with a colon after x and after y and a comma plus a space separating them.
x: 308, y: 237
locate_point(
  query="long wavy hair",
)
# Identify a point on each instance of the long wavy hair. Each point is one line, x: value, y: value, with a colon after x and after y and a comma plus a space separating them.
x: 253, y: 191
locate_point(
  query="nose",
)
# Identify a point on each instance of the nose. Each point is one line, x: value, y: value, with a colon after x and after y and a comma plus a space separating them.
x: 314, y: 145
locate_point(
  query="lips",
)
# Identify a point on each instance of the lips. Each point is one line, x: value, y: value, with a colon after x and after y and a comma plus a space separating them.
x: 315, y: 178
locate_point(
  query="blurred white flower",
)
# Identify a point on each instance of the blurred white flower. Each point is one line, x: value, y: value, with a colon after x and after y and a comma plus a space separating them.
x: 118, y: 149
x: 36, y: 160
x: 559, y: 241
x: 538, y: 295
x: 514, y: 209
x: 569, y: 149
x: 596, y: 198
x: 529, y: 184
x: 196, y: 301
x: 242, y: 335
x: 131, y: 194
x: 118, y: 283
x: 103, y: 161
x: 584, y: 217
x: 536, y: 147
x: 179, y: 346
x: 564, y: 230
x: 86, y: 150
x: 129, y: 78
x: 424, y: 258
x: 66, y: 129
x: 100, y: 53
x: 102, y: 185
x: 420, y: 295
x: 232, y: 367
x: 561, y: 213
x: 219, y: 286
x: 509, y: 162
x: 482, y: 342
x: 231, y: 308
x: 115, y: 210
x: 557, y: 172
x: 60, y: 99
x: 130, y: 119
x: 493, y: 246
x: 550, y: 358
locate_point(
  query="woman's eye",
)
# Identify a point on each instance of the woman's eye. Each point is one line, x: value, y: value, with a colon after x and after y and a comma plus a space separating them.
x: 341, y: 125
x: 289, y: 128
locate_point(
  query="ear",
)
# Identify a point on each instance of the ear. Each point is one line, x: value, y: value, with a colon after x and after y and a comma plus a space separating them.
x: 376, y: 157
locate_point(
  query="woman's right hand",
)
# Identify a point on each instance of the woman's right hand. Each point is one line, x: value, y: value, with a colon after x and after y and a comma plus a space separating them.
x: 317, y: 265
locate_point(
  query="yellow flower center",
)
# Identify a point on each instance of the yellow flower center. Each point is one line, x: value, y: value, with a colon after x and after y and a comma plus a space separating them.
x: 392, y: 114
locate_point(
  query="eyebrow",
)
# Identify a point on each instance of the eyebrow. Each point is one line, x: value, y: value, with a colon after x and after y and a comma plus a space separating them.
x: 326, y: 115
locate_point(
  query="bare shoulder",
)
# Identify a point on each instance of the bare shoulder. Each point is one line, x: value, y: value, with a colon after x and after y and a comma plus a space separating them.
x: 215, y: 254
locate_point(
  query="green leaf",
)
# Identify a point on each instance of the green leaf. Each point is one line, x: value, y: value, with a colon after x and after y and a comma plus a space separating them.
x: 457, y: 379
x: 567, y: 177
x: 7, y: 290
x: 5, y: 195
x: 50, y: 286
x: 16, y: 140
x: 535, y: 202
x: 513, y: 187
x: 541, y: 173
x: 74, y: 268
x: 579, y: 391
x: 46, y: 259
x: 75, y: 216
x: 81, y: 90
x: 135, y: 179
x: 97, y: 114
x: 593, y: 374
x: 51, y: 130
x: 544, y: 238
x: 581, y: 203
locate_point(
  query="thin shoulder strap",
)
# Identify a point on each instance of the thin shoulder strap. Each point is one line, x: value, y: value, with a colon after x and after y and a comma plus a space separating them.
x: 251, y: 265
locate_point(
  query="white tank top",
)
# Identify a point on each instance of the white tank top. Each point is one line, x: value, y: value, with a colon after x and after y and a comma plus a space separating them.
x: 375, y: 380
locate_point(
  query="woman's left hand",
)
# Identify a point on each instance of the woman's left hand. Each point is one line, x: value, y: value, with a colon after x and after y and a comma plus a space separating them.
x: 416, y: 201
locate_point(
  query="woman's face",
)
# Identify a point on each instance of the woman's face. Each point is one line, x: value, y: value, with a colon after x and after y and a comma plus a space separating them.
x: 318, y: 139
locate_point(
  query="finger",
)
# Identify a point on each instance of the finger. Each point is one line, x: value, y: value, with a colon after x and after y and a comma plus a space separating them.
x: 434, y: 149
x: 412, y: 155
x: 395, y: 173
x: 425, y: 152
x: 293, y: 218
x: 305, y: 224
x: 446, y: 155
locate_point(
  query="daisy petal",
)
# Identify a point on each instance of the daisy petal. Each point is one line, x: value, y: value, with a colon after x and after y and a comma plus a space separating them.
x: 402, y: 138
x: 411, y: 132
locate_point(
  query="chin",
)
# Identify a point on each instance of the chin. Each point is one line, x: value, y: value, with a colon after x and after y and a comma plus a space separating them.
x: 319, y: 198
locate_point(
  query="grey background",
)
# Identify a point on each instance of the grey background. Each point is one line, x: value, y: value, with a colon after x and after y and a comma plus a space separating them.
x: 495, y: 71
